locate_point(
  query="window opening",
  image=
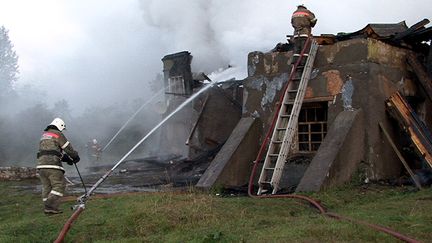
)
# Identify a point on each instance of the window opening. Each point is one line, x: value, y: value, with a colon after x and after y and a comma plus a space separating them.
x: 176, y: 85
x: 312, y: 126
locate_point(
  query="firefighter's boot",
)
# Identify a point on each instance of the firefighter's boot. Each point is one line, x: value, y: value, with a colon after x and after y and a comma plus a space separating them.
x: 52, y: 205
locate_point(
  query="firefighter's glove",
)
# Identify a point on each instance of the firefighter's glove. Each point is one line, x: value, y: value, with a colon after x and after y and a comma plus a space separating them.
x: 67, y: 159
x: 77, y: 159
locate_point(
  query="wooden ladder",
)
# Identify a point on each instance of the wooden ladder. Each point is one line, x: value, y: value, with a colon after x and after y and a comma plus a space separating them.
x: 286, y: 124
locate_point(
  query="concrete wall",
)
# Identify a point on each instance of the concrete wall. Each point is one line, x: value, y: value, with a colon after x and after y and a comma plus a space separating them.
x: 176, y: 131
x: 350, y: 154
x: 175, y: 65
x: 233, y: 164
x: 376, y: 70
x: 219, y: 116
x: 267, y: 74
x: 339, y: 154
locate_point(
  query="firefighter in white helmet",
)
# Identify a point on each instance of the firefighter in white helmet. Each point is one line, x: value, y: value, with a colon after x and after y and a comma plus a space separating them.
x: 94, y: 150
x: 54, y: 149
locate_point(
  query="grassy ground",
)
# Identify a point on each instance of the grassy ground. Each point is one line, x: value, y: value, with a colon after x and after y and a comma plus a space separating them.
x: 198, y: 217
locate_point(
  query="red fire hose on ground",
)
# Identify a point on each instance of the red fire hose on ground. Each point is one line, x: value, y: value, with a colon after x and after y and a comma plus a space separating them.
x: 68, y: 225
x: 305, y: 198
x: 328, y: 214
x: 81, y: 201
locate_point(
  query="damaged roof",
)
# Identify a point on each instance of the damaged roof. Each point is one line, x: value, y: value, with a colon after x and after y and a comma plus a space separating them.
x: 395, y: 33
x: 376, y: 31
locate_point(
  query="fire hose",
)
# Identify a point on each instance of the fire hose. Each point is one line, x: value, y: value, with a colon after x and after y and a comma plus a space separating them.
x: 305, y: 198
x: 82, y: 181
x: 81, y: 201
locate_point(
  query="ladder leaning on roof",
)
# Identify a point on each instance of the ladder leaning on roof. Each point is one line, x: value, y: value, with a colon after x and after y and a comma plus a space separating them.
x: 286, y: 123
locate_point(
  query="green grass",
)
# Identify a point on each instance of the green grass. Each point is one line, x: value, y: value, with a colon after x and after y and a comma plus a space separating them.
x: 199, y: 217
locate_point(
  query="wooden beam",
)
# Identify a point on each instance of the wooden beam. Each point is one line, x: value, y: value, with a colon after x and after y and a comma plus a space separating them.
x: 401, y: 158
x: 197, y: 120
x: 422, y: 75
x: 400, y: 110
x: 412, y: 29
x: 429, y: 61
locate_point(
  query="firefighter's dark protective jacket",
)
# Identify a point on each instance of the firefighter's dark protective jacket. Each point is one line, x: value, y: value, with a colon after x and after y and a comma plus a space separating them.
x: 53, y: 144
x: 302, y: 21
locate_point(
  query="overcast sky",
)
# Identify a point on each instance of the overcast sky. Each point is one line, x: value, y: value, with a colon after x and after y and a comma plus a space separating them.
x: 93, y: 52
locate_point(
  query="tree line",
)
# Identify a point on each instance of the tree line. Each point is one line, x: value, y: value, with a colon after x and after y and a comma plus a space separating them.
x: 21, y: 125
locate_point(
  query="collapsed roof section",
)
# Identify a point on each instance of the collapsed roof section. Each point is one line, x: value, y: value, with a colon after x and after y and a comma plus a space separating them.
x: 393, y: 33
x: 376, y: 31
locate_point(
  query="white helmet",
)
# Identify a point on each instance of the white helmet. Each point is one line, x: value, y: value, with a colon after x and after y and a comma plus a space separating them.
x: 59, y: 123
x: 94, y: 141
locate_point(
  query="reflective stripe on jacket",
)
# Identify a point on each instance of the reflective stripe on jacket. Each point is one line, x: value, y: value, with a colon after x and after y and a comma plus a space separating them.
x: 302, y: 21
x: 51, y: 146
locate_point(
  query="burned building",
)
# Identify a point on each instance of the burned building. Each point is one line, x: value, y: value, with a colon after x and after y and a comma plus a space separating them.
x: 345, y: 111
x: 198, y: 128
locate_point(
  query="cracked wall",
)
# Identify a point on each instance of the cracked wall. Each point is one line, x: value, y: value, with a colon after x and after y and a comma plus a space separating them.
x: 352, y: 74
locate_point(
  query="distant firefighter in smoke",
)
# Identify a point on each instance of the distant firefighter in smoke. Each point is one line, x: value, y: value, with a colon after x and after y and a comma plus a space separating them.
x: 54, y: 149
x: 94, y: 150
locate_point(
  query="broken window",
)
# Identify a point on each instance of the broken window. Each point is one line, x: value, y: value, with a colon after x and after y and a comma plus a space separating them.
x: 176, y: 85
x: 312, y: 126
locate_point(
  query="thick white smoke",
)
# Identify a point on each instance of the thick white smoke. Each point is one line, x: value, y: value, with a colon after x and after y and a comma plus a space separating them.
x: 218, y: 33
x: 101, y: 51
x: 105, y: 53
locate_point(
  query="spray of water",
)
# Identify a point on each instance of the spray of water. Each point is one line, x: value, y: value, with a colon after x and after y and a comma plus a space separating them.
x: 84, y: 197
x: 132, y: 117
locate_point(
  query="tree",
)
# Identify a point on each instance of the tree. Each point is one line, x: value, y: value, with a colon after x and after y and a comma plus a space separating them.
x: 62, y: 109
x: 9, y: 68
x: 19, y: 147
